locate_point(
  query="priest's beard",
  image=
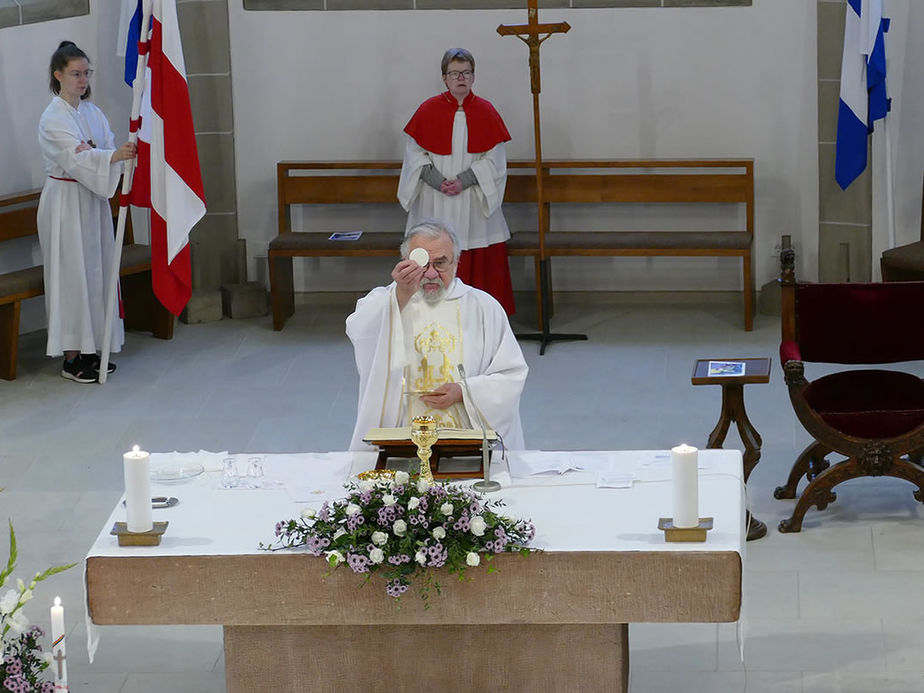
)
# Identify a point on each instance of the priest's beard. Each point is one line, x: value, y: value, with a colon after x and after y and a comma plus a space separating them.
x: 433, y: 296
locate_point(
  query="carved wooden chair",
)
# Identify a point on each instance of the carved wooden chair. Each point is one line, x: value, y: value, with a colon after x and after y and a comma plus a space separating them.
x: 872, y: 417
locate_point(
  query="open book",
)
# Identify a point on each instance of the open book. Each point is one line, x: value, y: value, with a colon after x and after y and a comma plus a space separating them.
x: 401, y: 434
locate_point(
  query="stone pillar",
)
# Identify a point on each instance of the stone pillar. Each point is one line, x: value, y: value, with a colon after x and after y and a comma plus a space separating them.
x: 845, y: 218
x: 207, y: 51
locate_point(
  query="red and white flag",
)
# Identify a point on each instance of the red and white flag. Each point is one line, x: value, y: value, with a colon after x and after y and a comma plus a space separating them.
x: 167, y: 177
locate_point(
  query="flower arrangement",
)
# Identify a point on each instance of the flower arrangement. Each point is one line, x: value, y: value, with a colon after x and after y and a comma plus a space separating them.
x: 400, y: 528
x: 23, y: 661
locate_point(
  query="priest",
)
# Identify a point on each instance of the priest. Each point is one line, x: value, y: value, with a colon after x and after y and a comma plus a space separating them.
x: 455, y: 168
x: 409, y: 338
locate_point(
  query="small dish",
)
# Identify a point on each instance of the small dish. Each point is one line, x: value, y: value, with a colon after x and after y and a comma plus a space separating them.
x: 176, y: 473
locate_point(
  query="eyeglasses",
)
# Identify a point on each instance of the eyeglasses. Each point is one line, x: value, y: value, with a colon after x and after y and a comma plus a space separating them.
x: 77, y: 74
x: 460, y: 74
x: 440, y: 265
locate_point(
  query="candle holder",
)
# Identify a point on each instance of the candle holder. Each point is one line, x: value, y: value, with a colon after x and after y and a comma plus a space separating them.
x: 680, y: 534
x: 149, y: 538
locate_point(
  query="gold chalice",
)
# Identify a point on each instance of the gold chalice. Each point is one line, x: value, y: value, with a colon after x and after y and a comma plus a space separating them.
x: 423, y: 435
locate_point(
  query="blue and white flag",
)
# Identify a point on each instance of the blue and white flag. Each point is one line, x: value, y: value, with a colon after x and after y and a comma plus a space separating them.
x: 863, y: 86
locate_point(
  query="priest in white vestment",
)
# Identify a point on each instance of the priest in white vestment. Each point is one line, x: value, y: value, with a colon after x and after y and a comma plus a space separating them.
x: 455, y: 169
x: 410, y: 336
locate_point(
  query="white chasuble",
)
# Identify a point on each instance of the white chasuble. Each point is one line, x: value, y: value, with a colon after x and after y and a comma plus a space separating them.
x: 419, y: 348
x: 433, y: 340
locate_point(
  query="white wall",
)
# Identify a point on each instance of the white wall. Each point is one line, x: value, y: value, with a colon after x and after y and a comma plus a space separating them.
x: 690, y: 82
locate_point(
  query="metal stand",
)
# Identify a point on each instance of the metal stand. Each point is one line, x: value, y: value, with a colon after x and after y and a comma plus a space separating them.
x: 546, y: 337
x: 486, y: 485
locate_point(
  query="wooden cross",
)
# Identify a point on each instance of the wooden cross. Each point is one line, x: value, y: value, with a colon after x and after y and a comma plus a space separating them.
x: 529, y: 34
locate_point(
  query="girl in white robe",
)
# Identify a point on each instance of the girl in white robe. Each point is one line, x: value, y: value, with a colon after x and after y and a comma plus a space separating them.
x: 74, y: 218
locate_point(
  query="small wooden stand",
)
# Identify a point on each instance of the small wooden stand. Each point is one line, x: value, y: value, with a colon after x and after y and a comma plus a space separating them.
x: 678, y: 534
x: 149, y: 538
x: 442, y: 449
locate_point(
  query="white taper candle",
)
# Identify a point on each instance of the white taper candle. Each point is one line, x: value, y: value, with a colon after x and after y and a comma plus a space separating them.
x: 684, y: 461
x: 137, y: 467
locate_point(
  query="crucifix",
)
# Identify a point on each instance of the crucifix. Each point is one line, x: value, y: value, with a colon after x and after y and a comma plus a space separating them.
x: 60, y: 659
x: 530, y: 33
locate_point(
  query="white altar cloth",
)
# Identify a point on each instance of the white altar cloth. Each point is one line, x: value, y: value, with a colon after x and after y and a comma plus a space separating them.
x: 569, y: 511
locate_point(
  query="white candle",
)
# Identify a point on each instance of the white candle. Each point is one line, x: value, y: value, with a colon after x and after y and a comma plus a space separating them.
x: 58, y: 652
x: 684, y: 460
x: 137, y: 466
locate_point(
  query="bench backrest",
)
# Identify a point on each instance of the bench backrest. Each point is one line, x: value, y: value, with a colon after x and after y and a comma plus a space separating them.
x: 564, y: 182
x: 18, y: 215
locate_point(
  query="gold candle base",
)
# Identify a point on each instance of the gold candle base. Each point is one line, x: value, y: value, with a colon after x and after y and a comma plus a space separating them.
x: 149, y: 538
x: 678, y: 534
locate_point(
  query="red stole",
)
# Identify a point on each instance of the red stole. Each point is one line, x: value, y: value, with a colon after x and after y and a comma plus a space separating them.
x: 431, y: 124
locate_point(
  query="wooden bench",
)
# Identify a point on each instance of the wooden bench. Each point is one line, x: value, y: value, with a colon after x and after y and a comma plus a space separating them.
x: 690, y: 181
x: 143, y: 312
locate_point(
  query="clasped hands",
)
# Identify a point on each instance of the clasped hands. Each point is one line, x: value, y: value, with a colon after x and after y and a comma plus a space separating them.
x: 451, y: 186
x: 126, y: 151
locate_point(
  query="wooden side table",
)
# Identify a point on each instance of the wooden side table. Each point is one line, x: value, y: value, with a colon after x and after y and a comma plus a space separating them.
x: 756, y: 370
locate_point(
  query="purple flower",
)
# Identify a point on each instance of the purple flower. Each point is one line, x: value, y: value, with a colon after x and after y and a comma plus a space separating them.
x: 358, y: 563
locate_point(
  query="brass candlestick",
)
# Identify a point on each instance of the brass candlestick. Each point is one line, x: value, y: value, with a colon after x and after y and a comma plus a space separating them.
x: 423, y: 435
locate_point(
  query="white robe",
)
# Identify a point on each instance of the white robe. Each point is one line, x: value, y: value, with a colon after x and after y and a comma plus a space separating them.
x: 475, y: 213
x: 494, y: 365
x: 75, y: 227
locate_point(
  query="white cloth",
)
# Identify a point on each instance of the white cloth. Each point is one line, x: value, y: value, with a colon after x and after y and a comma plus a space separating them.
x: 494, y: 365
x: 475, y: 213
x: 75, y: 227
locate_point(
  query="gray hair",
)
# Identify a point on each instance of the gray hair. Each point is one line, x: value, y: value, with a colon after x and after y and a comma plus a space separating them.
x: 459, y: 54
x: 431, y: 228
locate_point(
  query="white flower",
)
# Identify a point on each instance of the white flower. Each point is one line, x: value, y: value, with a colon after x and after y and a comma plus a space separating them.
x: 335, y: 558
x: 376, y: 555
x: 477, y: 525
x: 379, y: 538
x: 388, y: 500
x: 9, y: 602
x: 399, y: 528
x: 48, y: 658
x: 309, y: 513
x: 439, y: 533
x: 472, y: 559
x: 446, y: 509
x: 422, y: 485
x: 17, y: 623
x: 352, y: 509
x: 25, y: 596
x: 420, y: 557
x: 413, y: 503
x: 339, y: 533
x: 366, y: 485
x: 401, y: 478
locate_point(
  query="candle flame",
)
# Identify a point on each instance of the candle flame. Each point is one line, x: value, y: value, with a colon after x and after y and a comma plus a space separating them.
x: 135, y: 448
x: 57, y: 601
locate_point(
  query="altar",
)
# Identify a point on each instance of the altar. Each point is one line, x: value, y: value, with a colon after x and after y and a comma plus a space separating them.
x: 551, y: 621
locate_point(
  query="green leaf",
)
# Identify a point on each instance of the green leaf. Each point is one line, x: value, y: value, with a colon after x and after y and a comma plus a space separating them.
x: 13, y: 555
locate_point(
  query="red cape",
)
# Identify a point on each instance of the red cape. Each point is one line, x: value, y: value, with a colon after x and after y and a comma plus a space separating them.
x: 431, y: 124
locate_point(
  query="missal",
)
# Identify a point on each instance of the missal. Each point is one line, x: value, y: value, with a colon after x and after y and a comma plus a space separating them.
x: 726, y: 368
x: 345, y: 236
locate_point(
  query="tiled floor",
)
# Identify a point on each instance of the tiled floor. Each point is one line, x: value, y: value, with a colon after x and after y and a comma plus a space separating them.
x: 836, y: 608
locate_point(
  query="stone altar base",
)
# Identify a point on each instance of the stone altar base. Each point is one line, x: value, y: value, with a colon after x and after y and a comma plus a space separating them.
x: 449, y: 659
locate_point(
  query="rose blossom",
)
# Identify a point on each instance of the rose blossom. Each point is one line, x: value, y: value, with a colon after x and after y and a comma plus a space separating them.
x: 439, y: 533
x: 472, y: 559
x: 399, y: 528
x: 376, y: 555
x: 352, y: 509
x: 413, y: 503
x: 379, y: 538
x: 309, y: 513
x: 401, y: 478
x: 446, y: 509
x: 388, y: 500
x: 477, y: 525
x: 420, y: 557
x: 422, y: 485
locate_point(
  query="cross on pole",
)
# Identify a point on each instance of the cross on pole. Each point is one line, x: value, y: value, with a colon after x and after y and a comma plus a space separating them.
x: 529, y: 34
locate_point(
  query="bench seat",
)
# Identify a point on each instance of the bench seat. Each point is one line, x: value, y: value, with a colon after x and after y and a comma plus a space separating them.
x: 299, y: 243
x: 627, y: 242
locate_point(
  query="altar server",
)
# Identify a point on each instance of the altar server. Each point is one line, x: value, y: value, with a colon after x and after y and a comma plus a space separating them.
x: 410, y: 336
x: 455, y: 168
x: 74, y: 218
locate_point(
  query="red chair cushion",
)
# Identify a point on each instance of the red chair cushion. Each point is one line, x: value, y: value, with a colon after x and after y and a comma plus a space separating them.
x: 869, y: 403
